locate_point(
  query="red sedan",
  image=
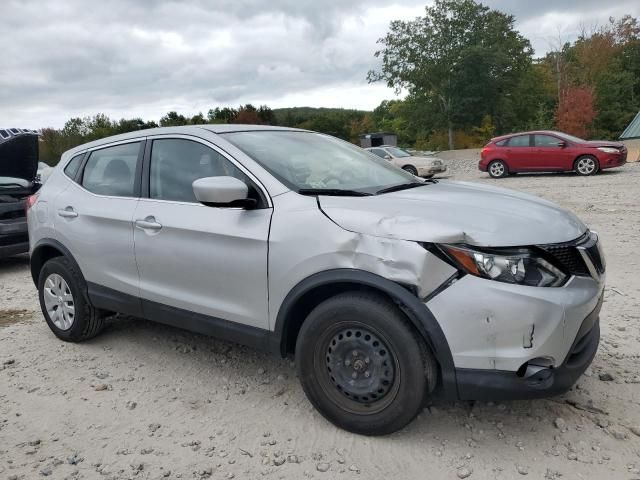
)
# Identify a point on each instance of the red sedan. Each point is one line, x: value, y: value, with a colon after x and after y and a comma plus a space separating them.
x: 547, y: 151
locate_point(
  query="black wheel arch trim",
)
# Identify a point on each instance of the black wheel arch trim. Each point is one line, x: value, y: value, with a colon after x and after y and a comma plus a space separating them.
x: 34, y: 257
x: 417, y: 312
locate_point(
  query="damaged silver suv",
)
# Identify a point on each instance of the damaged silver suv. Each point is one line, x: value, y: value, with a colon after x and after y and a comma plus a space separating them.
x: 388, y: 289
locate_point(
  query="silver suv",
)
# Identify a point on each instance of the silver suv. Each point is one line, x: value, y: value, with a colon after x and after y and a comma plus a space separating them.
x: 388, y: 289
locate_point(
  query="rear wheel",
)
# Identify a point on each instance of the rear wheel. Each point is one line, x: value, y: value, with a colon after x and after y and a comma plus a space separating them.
x: 362, y: 365
x: 411, y: 169
x: 498, y: 169
x: 64, y: 302
x: 586, y: 165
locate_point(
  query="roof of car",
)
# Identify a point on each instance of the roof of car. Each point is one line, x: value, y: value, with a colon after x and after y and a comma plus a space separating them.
x: 531, y: 132
x: 185, y: 129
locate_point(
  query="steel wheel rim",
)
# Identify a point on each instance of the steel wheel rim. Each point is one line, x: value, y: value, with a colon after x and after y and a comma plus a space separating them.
x: 58, y: 301
x: 497, y: 169
x: 586, y: 166
x: 376, y: 381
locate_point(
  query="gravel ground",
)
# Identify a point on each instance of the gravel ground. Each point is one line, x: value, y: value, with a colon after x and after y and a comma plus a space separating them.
x: 148, y: 401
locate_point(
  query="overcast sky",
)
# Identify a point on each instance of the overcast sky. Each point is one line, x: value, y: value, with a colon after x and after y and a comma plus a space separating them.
x: 126, y: 58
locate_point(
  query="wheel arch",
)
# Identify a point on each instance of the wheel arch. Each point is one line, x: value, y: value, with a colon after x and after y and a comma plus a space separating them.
x: 318, y: 287
x: 43, y: 251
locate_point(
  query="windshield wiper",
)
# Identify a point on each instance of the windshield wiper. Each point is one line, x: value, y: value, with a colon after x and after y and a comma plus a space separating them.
x: 336, y: 192
x: 401, y: 186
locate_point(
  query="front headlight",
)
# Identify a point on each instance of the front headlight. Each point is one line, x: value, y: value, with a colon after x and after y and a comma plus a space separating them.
x: 608, y: 149
x: 521, y: 266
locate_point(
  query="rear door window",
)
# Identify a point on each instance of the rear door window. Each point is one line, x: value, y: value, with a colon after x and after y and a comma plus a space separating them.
x: 112, y: 170
x: 520, y: 141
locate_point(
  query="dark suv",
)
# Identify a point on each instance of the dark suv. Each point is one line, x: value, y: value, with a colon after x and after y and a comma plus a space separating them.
x: 548, y: 151
x: 18, y: 172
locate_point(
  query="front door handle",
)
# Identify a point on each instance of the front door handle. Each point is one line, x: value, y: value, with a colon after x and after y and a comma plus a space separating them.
x: 68, y: 212
x: 148, y: 223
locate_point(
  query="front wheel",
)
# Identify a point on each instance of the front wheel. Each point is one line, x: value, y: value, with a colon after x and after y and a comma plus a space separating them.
x: 362, y: 365
x: 498, y: 169
x: 587, y: 165
x: 411, y: 169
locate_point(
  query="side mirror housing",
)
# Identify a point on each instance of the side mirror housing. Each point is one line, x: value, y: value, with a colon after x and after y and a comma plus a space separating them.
x: 562, y: 144
x: 222, y: 192
x: 388, y: 157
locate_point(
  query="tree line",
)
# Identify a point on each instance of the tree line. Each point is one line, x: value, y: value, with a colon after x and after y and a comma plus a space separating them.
x: 468, y: 75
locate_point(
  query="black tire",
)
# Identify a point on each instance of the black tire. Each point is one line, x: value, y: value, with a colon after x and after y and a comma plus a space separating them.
x: 88, y: 321
x: 498, y: 169
x: 389, y: 350
x: 586, y: 165
x: 411, y: 169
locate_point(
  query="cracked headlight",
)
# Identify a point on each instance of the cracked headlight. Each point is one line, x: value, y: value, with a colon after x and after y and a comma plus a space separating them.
x: 521, y: 265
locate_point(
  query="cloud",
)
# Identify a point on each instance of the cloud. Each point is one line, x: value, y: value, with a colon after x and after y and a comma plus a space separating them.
x: 129, y: 58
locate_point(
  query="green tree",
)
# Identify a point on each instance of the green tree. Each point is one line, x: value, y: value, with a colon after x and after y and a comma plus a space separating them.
x: 173, y: 119
x: 461, y: 55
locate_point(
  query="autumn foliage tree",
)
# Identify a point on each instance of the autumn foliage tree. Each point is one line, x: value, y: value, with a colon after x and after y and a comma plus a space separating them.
x: 576, y: 111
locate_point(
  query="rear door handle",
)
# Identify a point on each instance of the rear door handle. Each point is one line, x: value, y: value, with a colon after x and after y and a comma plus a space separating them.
x: 149, y: 223
x: 68, y: 212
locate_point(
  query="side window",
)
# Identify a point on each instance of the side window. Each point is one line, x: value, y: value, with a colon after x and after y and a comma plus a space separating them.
x: 176, y: 163
x: 545, y: 141
x: 519, y: 141
x: 379, y: 152
x: 72, y: 167
x: 502, y: 143
x: 112, y: 170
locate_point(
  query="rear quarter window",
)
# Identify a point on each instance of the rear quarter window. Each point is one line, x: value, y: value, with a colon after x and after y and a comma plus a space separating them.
x: 71, y: 170
x: 502, y: 143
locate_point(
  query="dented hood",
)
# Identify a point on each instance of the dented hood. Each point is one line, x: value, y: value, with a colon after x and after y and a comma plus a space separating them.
x: 456, y: 212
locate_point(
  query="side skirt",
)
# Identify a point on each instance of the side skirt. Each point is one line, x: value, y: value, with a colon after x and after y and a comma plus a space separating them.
x: 115, y: 301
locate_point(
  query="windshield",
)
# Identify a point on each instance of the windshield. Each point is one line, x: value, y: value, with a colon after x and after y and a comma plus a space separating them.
x: 398, y: 152
x: 571, y: 138
x: 307, y: 160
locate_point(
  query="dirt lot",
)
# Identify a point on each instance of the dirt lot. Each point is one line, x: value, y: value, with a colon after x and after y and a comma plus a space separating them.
x: 148, y: 401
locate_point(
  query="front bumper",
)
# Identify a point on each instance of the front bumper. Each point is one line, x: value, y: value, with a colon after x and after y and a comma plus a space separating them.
x: 423, y: 171
x: 476, y: 384
x: 613, y: 160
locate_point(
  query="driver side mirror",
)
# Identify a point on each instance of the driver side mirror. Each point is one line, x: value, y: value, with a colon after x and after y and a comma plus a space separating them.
x: 222, y: 192
x: 561, y: 144
x: 388, y: 157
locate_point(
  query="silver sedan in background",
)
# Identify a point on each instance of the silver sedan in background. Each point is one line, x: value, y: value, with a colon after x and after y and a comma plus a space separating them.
x: 419, y: 166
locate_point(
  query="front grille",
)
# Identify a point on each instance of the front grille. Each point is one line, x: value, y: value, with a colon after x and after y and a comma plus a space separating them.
x: 570, y: 258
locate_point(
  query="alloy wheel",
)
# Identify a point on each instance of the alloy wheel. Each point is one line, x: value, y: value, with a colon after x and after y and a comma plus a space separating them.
x: 497, y: 169
x: 58, y: 301
x: 586, y: 166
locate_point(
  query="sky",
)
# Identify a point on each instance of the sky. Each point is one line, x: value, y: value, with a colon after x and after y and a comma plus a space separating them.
x: 128, y: 58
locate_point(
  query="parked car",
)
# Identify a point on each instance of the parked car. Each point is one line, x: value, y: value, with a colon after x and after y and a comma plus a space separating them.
x: 385, y: 288
x: 547, y: 151
x: 419, y: 166
x: 18, y: 166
